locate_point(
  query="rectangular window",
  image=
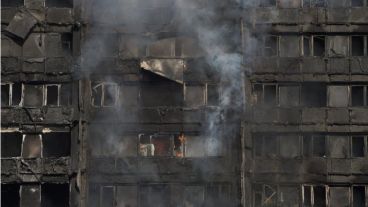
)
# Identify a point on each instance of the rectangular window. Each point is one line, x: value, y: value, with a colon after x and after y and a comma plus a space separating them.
x: 289, y: 196
x: 270, y: 46
x: 268, y: 3
x: 269, y: 95
x: 32, y: 146
x: 56, y: 144
x: 104, y: 94
x: 314, y: 94
x: 289, y: 146
x: 314, y: 196
x: 30, y: 195
x: 126, y: 196
x: 307, y: 46
x: 12, y: 3
x: 11, y: 94
x: 11, y: 144
x: 359, y: 96
x: 338, y: 46
x: 357, y: 3
x: 155, y: 145
x: 52, y: 95
x: 193, y: 196
x: 59, y: 3
x: 194, y: 95
x: 357, y: 45
x: 10, y: 195
x: 195, y: 146
x: 359, y: 196
x: 212, y: 95
x: 289, y: 46
x: 358, y: 146
x: 33, y: 95
x: 155, y: 194
x: 270, y: 146
x: 217, y: 195
x: 289, y: 95
x: 319, y: 45
x: 319, y: 146
x: 107, y: 196
x: 338, y: 96
x: 55, y: 195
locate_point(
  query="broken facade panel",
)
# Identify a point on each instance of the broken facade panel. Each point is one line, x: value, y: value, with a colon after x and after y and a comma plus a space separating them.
x: 161, y: 109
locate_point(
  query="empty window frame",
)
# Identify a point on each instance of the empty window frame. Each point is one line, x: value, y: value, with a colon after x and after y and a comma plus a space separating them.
x: 339, y: 196
x: 314, y: 195
x: 339, y: 146
x: 265, y: 146
x: 32, y: 146
x: 289, y: 46
x: 314, y: 3
x: 359, y: 95
x: 268, y: 3
x: 359, y: 196
x: 289, y: 146
x: 270, y: 46
x: 358, y: 45
x: 313, y: 94
x: 11, y: 144
x: 12, y: 3
x: 56, y: 144
x: 358, y: 146
x: 55, y: 195
x: 52, y: 95
x: 357, y: 3
x: 10, y: 196
x: 59, y: 3
x: 33, y: 95
x: 104, y: 94
x: 11, y: 94
x: 289, y: 195
x: 272, y: 94
x: 217, y: 195
x: 314, y: 145
x: 314, y: 46
x: 200, y: 95
x: 30, y: 195
x: 265, y: 195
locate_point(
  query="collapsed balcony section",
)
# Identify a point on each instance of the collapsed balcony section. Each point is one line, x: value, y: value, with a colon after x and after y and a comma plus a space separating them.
x: 37, y: 154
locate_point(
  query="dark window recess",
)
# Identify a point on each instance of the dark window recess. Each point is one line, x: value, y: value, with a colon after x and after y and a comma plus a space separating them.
x: 33, y: 95
x: 357, y: 95
x: 358, y: 196
x: 270, y: 46
x: 5, y: 94
x: 319, y: 3
x: 162, y: 145
x: 319, y: 196
x: 217, y: 195
x: 55, y: 195
x: 12, y: 3
x: 257, y: 146
x: 268, y: 3
x: 107, y: 197
x: 193, y: 196
x: 52, y: 95
x: 212, y: 95
x: 270, y: 146
x: 258, y: 93
x: 319, y: 146
x: 358, y: 148
x: 157, y: 194
x: 97, y: 94
x: 16, y: 94
x: 357, y: 45
x: 110, y: 95
x: 31, y: 146
x: 270, y: 95
x: 306, y: 46
x: 307, y: 145
x: 59, y: 3
x: 357, y: 3
x: 10, y: 195
x: 314, y: 95
x: 30, y: 196
x: 67, y: 43
x: 65, y: 95
x: 93, y: 195
x: 56, y: 144
x: 319, y: 45
x: 307, y: 196
x: 11, y: 144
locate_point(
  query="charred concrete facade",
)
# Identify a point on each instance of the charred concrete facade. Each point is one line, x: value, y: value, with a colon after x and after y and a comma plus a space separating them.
x: 305, y: 122
x: 184, y: 103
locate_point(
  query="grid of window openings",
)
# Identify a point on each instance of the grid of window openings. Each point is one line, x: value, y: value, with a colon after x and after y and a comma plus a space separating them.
x: 310, y: 94
x: 313, y: 45
x: 308, y: 195
x: 309, y: 145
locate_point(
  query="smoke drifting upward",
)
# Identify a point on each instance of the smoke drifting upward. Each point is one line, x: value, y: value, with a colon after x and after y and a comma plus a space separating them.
x: 219, y: 39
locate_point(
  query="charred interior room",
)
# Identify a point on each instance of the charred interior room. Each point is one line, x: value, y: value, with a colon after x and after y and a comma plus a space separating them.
x: 184, y: 103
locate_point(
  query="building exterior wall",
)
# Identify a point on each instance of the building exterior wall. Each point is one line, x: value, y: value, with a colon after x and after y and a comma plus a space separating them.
x: 195, y: 103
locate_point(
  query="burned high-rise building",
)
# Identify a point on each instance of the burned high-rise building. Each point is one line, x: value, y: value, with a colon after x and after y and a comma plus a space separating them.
x: 184, y: 103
